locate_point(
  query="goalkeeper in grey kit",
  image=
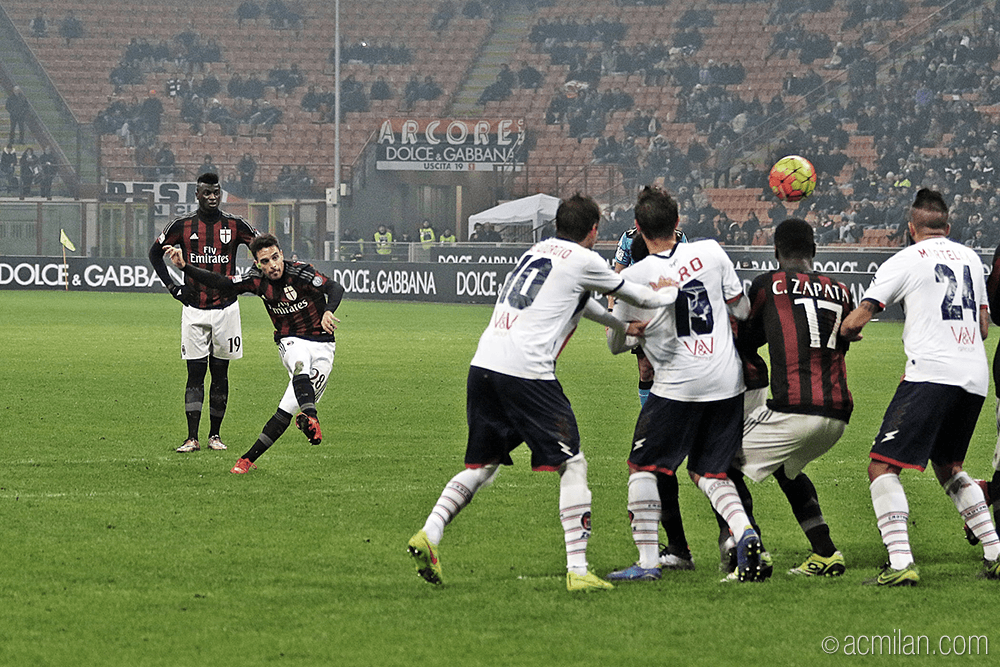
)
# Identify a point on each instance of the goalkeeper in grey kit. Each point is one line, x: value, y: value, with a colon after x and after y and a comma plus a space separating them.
x: 301, y: 303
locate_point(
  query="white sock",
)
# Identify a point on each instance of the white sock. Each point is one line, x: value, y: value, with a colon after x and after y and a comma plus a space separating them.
x: 892, y: 513
x: 971, y: 504
x: 574, y: 512
x: 456, y: 495
x: 644, y: 510
x: 726, y: 501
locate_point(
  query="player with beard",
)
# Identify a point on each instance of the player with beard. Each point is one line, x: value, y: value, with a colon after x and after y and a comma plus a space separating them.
x: 933, y: 414
x: 301, y: 303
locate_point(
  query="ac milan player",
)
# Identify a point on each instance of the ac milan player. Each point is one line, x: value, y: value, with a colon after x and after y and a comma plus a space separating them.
x: 301, y: 303
x: 933, y: 413
x: 797, y: 312
x: 211, y: 334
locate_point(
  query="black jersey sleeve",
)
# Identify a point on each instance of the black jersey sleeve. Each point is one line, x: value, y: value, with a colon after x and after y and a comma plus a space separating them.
x: 217, y: 281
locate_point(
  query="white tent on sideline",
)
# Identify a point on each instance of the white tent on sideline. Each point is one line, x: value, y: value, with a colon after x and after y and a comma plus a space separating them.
x: 531, y: 212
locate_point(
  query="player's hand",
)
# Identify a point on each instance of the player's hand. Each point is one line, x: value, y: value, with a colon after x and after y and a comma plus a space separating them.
x: 662, y: 282
x: 178, y: 292
x: 329, y: 322
x: 176, y: 255
x: 636, y: 328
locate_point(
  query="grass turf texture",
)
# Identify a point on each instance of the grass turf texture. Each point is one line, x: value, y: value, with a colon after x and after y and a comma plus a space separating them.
x: 118, y: 551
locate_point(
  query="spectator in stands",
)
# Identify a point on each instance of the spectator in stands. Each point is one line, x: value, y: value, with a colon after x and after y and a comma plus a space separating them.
x: 29, y: 169
x: 281, y: 16
x: 448, y: 237
x: 8, y: 168
x: 302, y: 183
x: 71, y: 28
x: 207, y: 166
x: 46, y: 172
x: 528, y: 76
x: 265, y: 119
x: 501, y: 88
x: 443, y: 16
x: 18, y: 108
x: 247, y: 11
x: 166, y: 163
x: 352, y: 96
x: 381, y: 90
x: 39, y: 26
x: 247, y: 169
x: 472, y: 10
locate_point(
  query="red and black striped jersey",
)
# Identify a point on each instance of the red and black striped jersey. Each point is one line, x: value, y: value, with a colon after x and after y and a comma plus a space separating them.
x: 798, y: 316
x: 295, y: 301
x: 208, y: 242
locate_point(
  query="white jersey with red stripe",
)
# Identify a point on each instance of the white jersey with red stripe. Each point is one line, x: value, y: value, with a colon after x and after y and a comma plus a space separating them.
x: 942, y: 287
x: 690, y: 343
x: 539, y: 307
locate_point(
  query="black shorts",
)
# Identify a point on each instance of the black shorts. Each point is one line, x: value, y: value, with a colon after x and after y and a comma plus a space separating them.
x: 503, y: 411
x: 925, y: 421
x: 709, y: 434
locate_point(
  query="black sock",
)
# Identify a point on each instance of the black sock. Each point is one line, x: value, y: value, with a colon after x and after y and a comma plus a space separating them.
x: 194, y: 394
x: 802, y: 497
x: 218, y: 394
x: 993, y: 487
x: 304, y: 394
x: 670, y: 515
x: 272, y: 430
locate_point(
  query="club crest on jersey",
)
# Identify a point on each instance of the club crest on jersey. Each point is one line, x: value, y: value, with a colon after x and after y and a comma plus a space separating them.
x: 225, y: 235
x: 290, y: 293
x: 317, y: 282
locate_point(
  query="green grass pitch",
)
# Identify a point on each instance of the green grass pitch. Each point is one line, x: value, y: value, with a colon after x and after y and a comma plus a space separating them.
x: 115, y: 550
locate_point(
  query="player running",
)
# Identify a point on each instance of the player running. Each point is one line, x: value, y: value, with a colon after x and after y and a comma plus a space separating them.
x: 211, y: 334
x: 695, y: 407
x: 933, y: 413
x: 301, y: 303
x: 513, y: 393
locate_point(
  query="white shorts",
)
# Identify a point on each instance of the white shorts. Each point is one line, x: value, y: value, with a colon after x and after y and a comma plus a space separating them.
x: 216, y: 332
x: 753, y: 399
x: 316, y: 361
x: 773, y: 439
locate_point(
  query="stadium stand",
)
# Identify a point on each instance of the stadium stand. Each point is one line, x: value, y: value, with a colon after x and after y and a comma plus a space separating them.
x: 883, y: 97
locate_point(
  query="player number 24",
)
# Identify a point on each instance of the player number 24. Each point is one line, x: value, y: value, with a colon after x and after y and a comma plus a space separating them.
x: 949, y: 309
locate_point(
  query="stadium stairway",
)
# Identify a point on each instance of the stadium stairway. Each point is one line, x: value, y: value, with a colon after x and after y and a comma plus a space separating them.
x: 509, y: 32
x: 55, y: 124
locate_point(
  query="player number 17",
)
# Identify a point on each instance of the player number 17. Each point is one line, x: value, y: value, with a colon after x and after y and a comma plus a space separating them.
x: 812, y: 308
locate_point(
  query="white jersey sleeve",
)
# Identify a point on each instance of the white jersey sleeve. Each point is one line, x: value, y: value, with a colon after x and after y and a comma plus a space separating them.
x: 690, y: 343
x: 942, y: 287
x: 539, y: 307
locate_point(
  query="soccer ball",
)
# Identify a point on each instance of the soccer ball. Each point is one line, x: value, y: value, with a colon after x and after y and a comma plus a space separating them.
x: 792, y: 178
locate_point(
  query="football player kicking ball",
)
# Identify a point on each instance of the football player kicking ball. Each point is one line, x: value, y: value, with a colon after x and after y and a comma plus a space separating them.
x: 513, y: 395
x: 934, y: 410
x: 797, y: 312
x: 695, y: 407
x: 301, y: 303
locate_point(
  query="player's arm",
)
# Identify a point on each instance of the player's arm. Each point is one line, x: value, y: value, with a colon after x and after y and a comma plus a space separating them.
x: 659, y: 294
x: 984, y: 321
x: 739, y: 307
x: 993, y: 288
x: 858, y: 318
x: 334, y: 295
x: 160, y: 267
x: 203, y: 276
